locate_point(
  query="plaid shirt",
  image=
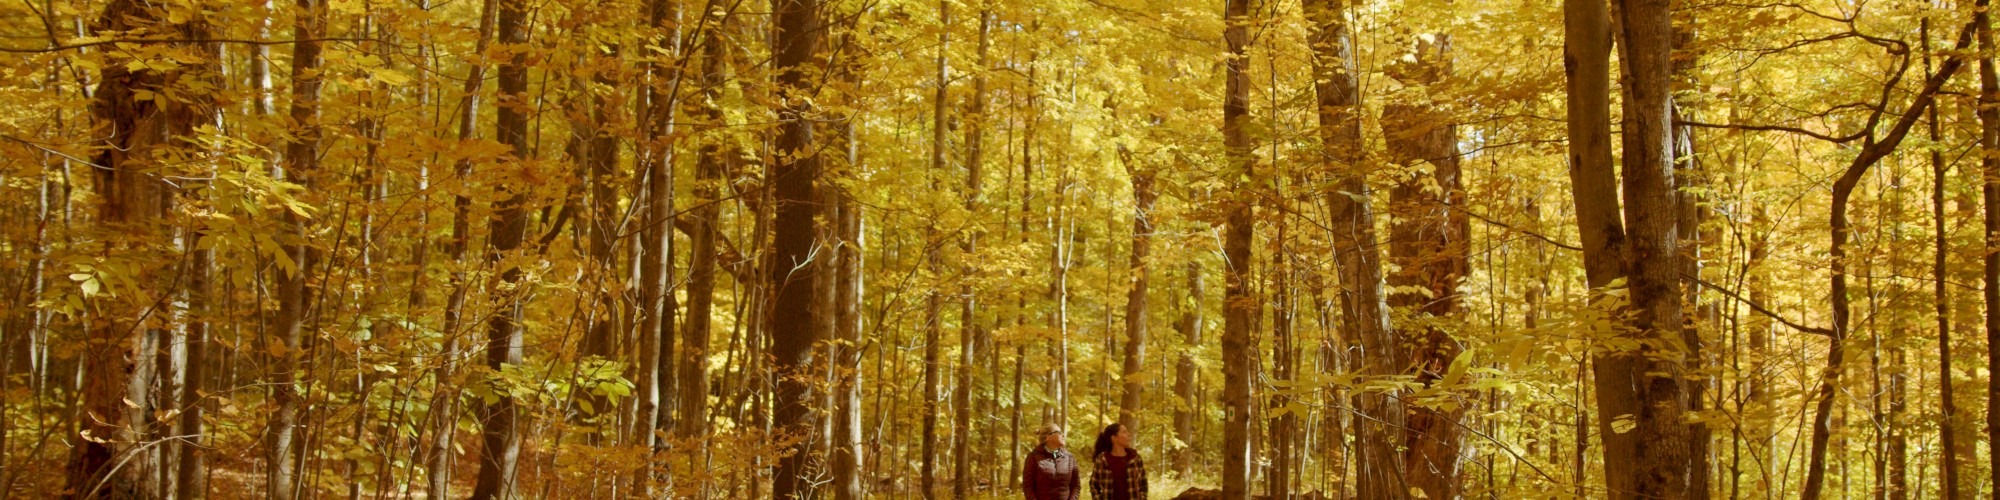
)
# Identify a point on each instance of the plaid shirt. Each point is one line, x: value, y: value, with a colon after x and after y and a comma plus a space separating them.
x: 1135, y: 476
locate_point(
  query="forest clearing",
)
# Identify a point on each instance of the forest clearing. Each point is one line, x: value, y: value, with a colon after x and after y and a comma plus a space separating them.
x: 925, y: 249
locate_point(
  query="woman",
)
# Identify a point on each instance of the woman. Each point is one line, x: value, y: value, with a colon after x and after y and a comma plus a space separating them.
x: 1120, y: 474
x: 1050, y: 472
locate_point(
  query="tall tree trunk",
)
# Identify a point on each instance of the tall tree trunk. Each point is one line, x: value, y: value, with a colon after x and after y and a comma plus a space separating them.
x: 1380, y: 468
x: 301, y: 164
x: 1642, y: 399
x: 934, y: 260
x: 794, y: 178
x: 1187, y: 411
x: 444, y: 403
x: 1429, y: 246
x: 970, y: 337
x: 1989, y: 143
x: 1131, y: 402
x: 847, y: 455
x: 704, y: 218
x: 656, y: 245
x: 1947, y: 435
x: 1240, y: 307
x: 134, y: 201
x: 500, y: 440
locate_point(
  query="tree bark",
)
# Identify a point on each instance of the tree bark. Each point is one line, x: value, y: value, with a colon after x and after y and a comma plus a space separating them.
x: 1185, y: 382
x: 1989, y: 164
x: 1240, y: 307
x: 1947, y: 435
x: 302, y: 154
x: 970, y: 337
x: 1131, y: 402
x: 1365, y: 326
x: 794, y: 178
x: 1429, y: 246
x: 934, y: 261
x: 500, y: 441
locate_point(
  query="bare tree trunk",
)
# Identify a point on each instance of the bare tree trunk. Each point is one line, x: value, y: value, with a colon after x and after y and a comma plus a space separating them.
x: 794, y: 178
x: 444, y: 403
x: 1240, y: 307
x: 1642, y: 399
x: 1185, y: 373
x: 1947, y: 436
x: 934, y: 261
x: 847, y: 455
x: 301, y: 164
x: 1989, y: 143
x: 1430, y: 248
x: 1379, y: 420
x: 971, y: 336
x: 500, y: 440
x: 1132, y: 401
x: 704, y: 217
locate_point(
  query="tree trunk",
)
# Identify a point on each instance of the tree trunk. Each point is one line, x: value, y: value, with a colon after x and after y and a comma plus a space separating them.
x: 1379, y: 419
x: 704, y: 217
x: 1240, y: 307
x: 794, y: 178
x: 656, y: 242
x: 1642, y: 399
x: 934, y: 261
x: 1989, y: 143
x: 500, y: 441
x: 970, y: 337
x: 1947, y: 436
x: 1131, y: 402
x: 1187, y: 411
x: 1429, y: 246
x: 301, y: 164
x: 444, y: 402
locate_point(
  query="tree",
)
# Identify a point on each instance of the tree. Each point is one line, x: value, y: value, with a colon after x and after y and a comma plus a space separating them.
x: 1238, y: 305
x: 794, y: 180
x: 1363, y: 303
x: 500, y: 441
x: 1428, y: 244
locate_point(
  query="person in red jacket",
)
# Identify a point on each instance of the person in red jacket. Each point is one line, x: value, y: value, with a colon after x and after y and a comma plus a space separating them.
x: 1050, y: 472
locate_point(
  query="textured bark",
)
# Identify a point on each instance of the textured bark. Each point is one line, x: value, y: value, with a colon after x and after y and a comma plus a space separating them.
x: 133, y: 201
x: 934, y: 261
x: 970, y: 336
x: 1185, y: 373
x: 1642, y: 397
x: 848, y: 454
x: 794, y: 178
x: 1239, y: 306
x: 1948, y: 408
x: 500, y: 441
x: 1378, y: 425
x: 1428, y: 244
x: 1989, y: 165
x: 704, y: 217
x: 1132, y: 401
x: 301, y: 164
x: 444, y: 410
x: 656, y: 245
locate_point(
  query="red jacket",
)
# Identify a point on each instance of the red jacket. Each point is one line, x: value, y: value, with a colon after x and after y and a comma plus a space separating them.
x: 1050, y: 475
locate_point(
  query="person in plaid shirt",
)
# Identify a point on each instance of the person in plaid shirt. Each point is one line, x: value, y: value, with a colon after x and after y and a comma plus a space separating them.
x: 1120, y: 474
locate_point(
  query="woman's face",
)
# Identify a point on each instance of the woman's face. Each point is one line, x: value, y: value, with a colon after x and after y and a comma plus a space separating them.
x: 1053, y: 440
x: 1123, y: 438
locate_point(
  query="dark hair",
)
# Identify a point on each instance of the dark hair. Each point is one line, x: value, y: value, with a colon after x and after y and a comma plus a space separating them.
x: 1104, y: 439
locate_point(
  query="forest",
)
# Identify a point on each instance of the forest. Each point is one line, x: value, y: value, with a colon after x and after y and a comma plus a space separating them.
x: 849, y: 249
